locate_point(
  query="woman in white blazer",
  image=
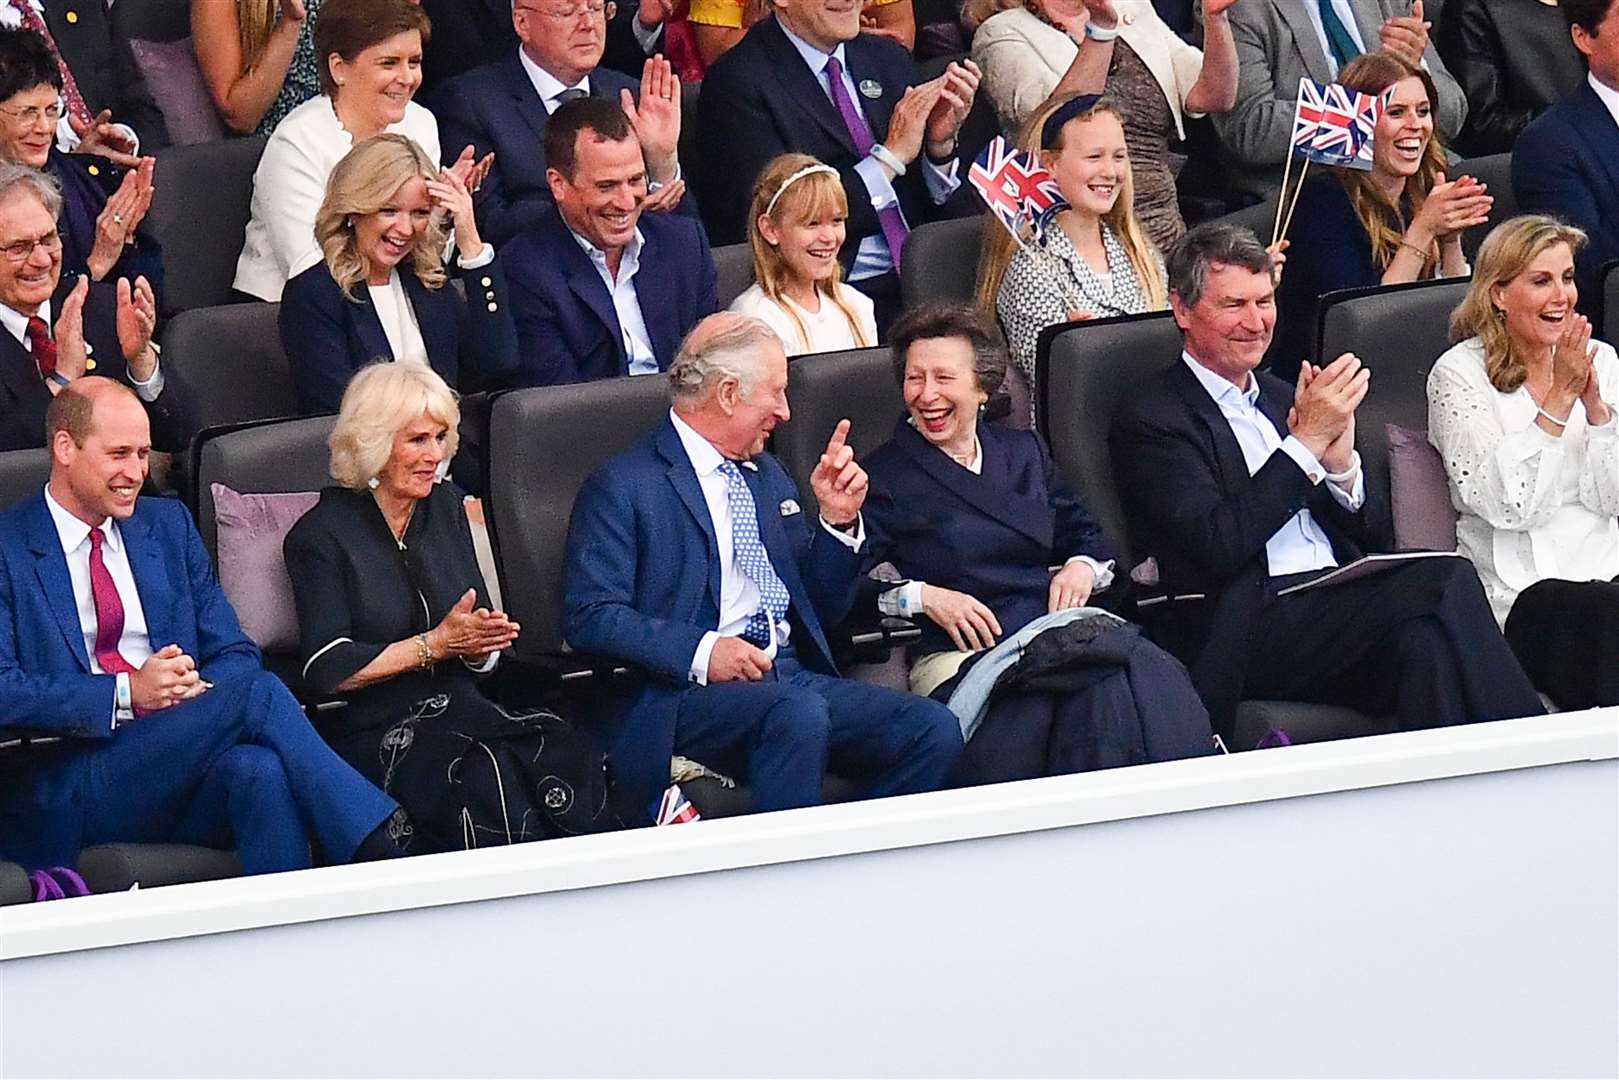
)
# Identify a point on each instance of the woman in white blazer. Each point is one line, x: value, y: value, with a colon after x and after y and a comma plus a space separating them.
x: 1522, y: 411
x: 1032, y: 50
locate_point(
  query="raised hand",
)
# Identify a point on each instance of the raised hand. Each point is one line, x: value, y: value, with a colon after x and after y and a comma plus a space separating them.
x: 1406, y: 35
x: 957, y: 88
x: 169, y: 676
x: 137, y: 319
x: 470, y: 170
x: 1324, y: 406
x: 656, y: 117
x: 452, y: 197
x: 735, y: 660
x: 838, y: 481
x: 471, y: 633
x: 100, y: 136
x: 910, y: 120
x: 1071, y: 586
x: 1278, y: 260
x: 1216, y: 7
x: 1597, y: 411
x: 1451, y: 207
x: 653, y: 12
x: 1572, y: 358
x: 72, y: 357
x: 968, y: 620
x: 118, y: 220
x: 665, y: 198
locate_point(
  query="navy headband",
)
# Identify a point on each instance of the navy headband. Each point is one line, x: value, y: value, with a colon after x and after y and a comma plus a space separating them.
x: 1051, y: 130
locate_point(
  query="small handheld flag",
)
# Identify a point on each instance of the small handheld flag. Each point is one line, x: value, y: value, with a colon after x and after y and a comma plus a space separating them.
x: 675, y: 808
x: 1017, y: 188
x: 1332, y: 125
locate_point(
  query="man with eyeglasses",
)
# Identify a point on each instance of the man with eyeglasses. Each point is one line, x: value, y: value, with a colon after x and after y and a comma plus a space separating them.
x: 468, y: 34
x: 56, y: 331
x: 505, y: 107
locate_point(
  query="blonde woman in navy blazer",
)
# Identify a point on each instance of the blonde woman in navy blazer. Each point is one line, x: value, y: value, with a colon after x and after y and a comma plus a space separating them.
x: 380, y: 293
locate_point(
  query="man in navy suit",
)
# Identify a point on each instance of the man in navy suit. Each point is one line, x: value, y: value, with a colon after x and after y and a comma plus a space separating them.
x: 1566, y: 162
x: 689, y: 556
x: 505, y: 107
x: 116, y: 639
x: 599, y: 288
x: 1241, y: 488
x: 471, y: 33
x: 806, y: 80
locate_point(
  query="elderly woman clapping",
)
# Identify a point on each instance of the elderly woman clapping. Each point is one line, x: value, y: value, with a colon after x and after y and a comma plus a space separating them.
x: 1522, y: 411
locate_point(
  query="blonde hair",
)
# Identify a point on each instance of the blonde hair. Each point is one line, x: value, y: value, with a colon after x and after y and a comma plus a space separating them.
x: 365, y: 181
x: 1506, y: 253
x: 380, y: 400
x: 999, y: 247
x: 1374, y: 73
x: 809, y: 197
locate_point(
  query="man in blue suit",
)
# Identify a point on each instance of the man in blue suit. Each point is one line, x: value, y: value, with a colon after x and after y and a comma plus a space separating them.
x: 116, y: 639
x: 1566, y: 162
x: 690, y: 557
x: 599, y: 288
x: 504, y: 108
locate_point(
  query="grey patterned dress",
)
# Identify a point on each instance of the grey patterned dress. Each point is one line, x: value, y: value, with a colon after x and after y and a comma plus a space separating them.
x: 1148, y: 126
x: 303, y: 74
x: 1032, y: 294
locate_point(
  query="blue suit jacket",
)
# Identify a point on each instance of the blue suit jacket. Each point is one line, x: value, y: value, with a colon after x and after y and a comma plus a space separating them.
x: 328, y: 336
x: 642, y: 584
x: 45, y: 682
x: 994, y: 535
x: 1567, y: 163
x: 495, y: 108
x: 567, y: 327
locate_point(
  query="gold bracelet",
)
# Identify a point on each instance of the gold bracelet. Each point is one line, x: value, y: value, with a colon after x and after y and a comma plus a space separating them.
x: 1424, y: 252
x: 424, y: 652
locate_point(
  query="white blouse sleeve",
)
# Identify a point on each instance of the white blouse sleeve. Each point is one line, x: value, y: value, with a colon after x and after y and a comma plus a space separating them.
x: 1509, y: 479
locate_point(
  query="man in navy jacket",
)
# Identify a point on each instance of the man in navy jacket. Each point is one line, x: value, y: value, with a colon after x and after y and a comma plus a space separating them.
x: 1566, y: 163
x: 599, y: 288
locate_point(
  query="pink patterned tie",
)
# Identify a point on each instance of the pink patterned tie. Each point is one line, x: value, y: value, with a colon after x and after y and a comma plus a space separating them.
x: 33, y: 20
x: 109, y: 611
x: 893, y: 223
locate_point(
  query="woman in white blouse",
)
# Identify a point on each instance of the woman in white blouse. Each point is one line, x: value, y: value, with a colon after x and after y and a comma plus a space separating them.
x: 378, y: 293
x: 796, y: 226
x: 371, y: 65
x: 1522, y: 411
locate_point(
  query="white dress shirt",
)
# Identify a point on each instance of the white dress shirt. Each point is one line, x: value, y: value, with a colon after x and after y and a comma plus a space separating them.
x: 135, y: 646
x: 546, y: 85
x: 873, y: 257
x: 637, y: 341
x: 398, y: 315
x: 1346, y: 15
x: 16, y: 324
x: 1301, y: 544
x: 739, y: 595
x: 1608, y: 95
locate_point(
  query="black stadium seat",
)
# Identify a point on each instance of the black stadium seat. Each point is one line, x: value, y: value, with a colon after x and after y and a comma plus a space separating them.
x: 1260, y: 218
x: 200, y: 209
x: 1398, y: 331
x: 1495, y: 170
x: 941, y: 261
x: 733, y: 264
x: 22, y: 473
x: 1085, y: 371
x: 259, y: 458
x: 825, y: 388
x: 228, y: 365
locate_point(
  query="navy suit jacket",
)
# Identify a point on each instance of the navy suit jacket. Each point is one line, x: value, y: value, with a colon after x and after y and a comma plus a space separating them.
x: 24, y: 396
x: 1330, y: 250
x: 46, y: 686
x: 1567, y: 163
x: 760, y: 99
x: 567, y: 327
x: 1195, y: 509
x: 495, y: 108
x: 642, y: 584
x: 994, y: 535
x: 328, y: 336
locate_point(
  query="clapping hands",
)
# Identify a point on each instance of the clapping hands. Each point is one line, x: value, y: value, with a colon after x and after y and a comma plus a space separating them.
x: 471, y: 633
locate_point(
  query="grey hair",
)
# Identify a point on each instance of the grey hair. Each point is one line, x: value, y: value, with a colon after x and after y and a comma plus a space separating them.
x: 725, y: 345
x: 1205, y: 245
x: 44, y: 187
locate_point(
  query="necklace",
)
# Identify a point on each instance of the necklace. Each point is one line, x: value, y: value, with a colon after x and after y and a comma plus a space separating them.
x: 404, y: 526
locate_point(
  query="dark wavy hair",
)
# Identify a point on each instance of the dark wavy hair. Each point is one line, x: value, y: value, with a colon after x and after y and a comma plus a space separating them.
x: 26, y: 62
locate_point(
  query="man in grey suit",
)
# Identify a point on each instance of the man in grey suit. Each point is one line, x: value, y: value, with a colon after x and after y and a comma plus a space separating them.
x: 1281, y: 41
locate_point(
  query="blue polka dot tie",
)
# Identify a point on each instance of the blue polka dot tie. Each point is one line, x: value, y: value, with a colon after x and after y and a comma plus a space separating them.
x: 752, y: 557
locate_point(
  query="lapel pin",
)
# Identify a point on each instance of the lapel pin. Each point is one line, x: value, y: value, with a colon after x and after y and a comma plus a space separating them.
x: 789, y: 507
x: 871, y: 88
x: 1129, y: 18
x: 750, y: 466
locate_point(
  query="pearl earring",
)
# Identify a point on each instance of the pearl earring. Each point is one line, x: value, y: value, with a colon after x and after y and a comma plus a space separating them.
x: 372, y: 483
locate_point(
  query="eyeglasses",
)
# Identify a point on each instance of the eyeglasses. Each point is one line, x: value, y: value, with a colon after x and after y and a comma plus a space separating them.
x: 19, y: 251
x: 572, y: 12
x: 31, y: 116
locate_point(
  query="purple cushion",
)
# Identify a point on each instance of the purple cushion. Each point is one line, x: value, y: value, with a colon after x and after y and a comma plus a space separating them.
x: 1424, y: 519
x: 175, y: 80
x: 251, y: 569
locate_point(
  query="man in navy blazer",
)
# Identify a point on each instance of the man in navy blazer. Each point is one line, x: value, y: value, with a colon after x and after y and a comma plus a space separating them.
x: 774, y: 93
x: 1566, y: 162
x: 504, y: 108
x: 689, y: 556
x: 600, y: 289
x: 116, y: 639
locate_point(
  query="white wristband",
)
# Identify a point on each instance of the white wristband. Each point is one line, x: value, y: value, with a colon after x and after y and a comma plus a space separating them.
x: 885, y: 156
x: 1099, y: 33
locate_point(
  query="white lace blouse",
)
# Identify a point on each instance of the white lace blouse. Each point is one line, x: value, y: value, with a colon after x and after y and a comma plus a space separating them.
x: 1531, y: 505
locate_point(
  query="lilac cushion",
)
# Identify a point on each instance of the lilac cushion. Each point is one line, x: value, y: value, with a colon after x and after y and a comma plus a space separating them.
x: 1424, y: 519
x: 175, y: 80
x: 251, y: 569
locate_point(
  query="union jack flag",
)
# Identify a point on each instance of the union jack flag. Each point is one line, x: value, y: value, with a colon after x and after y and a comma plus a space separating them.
x: 1333, y: 125
x: 1017, y: 187
x: 676, y: 809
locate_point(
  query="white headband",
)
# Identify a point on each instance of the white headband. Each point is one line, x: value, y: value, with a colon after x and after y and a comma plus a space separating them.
x: 808, y: 170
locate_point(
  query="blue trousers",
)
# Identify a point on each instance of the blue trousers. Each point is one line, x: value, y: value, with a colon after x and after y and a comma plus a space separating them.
x: 782, y: 732
x: 238, y: 767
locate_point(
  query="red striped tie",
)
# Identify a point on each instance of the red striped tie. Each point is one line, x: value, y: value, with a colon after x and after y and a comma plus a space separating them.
x: 44, y: 349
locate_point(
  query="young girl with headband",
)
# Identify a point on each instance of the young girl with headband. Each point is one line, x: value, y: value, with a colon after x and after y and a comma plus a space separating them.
x: 796, y: 228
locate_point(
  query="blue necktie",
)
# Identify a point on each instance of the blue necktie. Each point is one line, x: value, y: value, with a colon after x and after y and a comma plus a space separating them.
x: 752, y: 558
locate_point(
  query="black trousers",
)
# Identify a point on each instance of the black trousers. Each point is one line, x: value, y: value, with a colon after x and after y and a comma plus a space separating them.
x: 1566, y: 635
x: 1416, y: 641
